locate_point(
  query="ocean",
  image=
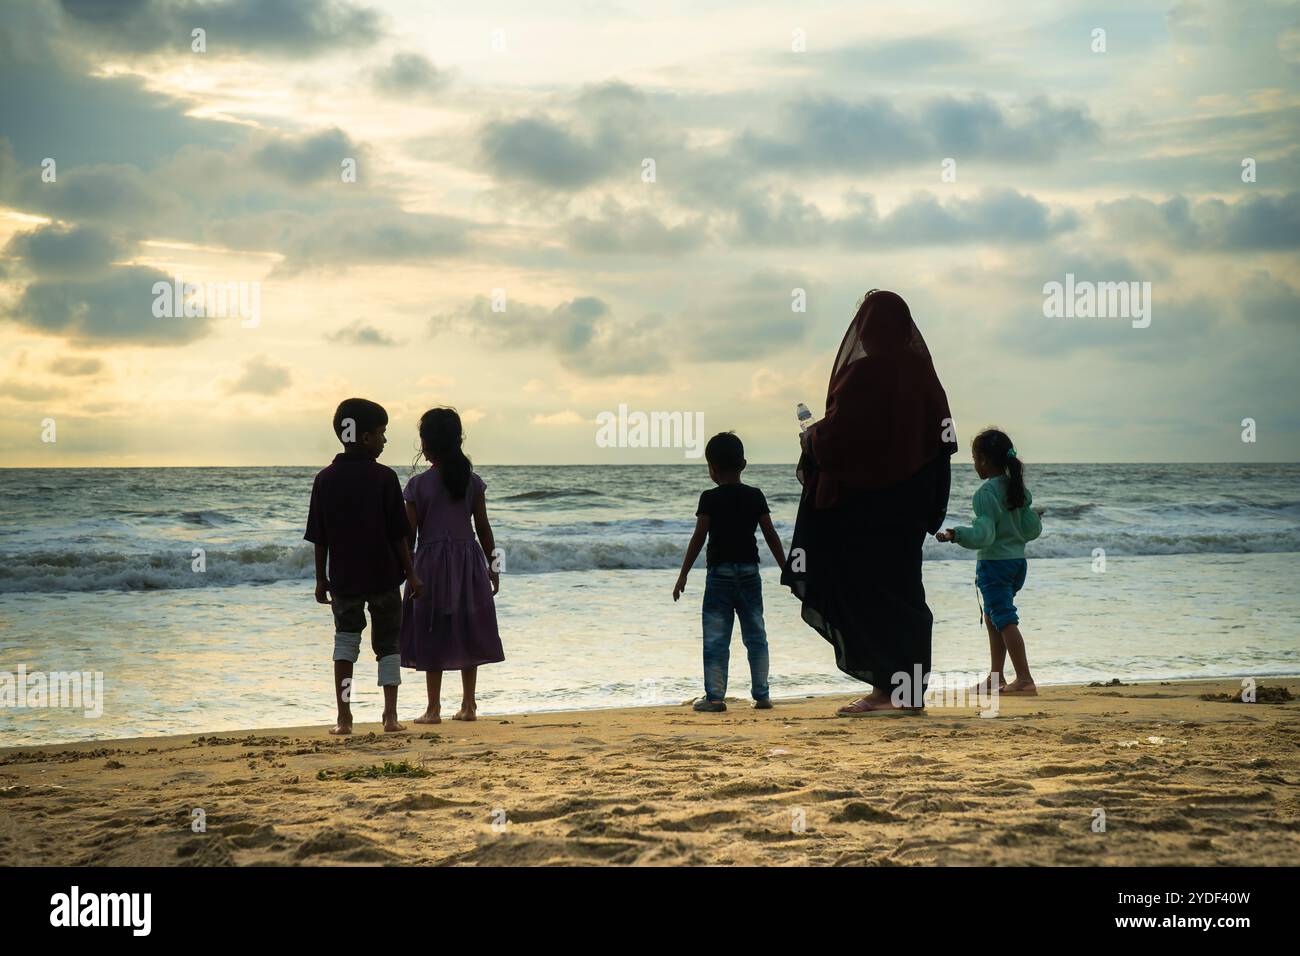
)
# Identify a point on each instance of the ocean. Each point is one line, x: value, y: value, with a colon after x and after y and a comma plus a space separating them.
x: 98, y: 575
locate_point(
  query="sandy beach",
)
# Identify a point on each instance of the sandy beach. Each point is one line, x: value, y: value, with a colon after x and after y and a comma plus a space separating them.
x: 1180, y: 780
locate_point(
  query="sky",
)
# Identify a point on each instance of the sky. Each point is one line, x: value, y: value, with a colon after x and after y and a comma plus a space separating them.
x: 560, y: 209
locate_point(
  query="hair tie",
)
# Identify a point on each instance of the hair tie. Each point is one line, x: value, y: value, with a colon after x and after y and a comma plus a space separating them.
x: 1011, y: 453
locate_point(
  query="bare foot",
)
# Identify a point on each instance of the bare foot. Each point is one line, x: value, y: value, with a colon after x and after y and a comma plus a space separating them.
x: 391, y: 726
x: 465, y: 713
x: 1024, y: 688
x: 429, y: 717
x: 342, y: 723
x: 984, y: 686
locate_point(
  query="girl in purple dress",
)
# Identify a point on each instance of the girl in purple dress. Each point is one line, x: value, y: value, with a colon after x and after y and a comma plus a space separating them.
x: 453, y: 624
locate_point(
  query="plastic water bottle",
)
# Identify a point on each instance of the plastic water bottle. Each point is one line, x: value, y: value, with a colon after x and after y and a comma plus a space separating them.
x: 805, y: 417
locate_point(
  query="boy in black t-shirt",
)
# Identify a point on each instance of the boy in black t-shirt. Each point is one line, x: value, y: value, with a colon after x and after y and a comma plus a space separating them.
x: 727, y: 515
x: 357, y: 520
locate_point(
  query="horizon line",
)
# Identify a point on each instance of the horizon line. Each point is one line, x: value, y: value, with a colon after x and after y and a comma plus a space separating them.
x: 626, y: 464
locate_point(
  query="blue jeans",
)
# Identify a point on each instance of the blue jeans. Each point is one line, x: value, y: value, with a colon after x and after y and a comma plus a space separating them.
x: 732, y: 590
x: 998, y: 582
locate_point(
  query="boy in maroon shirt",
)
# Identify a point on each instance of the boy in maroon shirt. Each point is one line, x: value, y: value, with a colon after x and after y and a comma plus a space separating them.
x: 358, y: 523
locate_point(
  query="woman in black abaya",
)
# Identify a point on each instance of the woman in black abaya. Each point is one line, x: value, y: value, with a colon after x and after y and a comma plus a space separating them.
x: 876, y: 479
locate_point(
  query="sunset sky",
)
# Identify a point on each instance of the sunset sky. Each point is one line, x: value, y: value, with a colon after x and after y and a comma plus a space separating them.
x: 501, y: 146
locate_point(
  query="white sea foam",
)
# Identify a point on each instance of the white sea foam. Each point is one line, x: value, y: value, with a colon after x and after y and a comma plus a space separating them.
x: 91, y: 570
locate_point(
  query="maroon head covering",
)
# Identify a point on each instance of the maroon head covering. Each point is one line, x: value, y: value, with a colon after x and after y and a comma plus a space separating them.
x: 886, y: 411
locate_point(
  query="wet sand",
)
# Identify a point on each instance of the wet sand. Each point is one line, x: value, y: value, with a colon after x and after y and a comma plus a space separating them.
x: 1180, y: 781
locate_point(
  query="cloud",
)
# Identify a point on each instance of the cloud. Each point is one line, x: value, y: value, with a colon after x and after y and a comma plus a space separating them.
x: 27, y: 392
x: 350, y: 238
x: 114, y: 309
x: 1263, y: 298
x: 904, y: 55
x: 924, y: 60
x: 291, y: 28
x: 766, y: 385
x: 75, y: 290
x: 409, y: 74
x: 588, y: 140
x: 786, y: 220
x: 1265, y: 222
x: 748, y: 319
x: 58, y: 250
x: 539, y: 151
x: 53, y: 108
x: 360, y: 334
x: 311, y: 158
x: 622, y: 231
x: 751, y: 319
x: 277, y: 194
x: 71, y: 365
x: 829, y: 134
x: 582, y: 333
x: 437, y: 382
x: 1183, y: 319
x: 260, y: 377
x: 609, y: 127
x: 994, y: 215
x: 112, y: 195
x: 563, y: 418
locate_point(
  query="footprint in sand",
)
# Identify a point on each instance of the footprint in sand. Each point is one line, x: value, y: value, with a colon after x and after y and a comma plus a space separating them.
x: 746, y: 789
x: 339, y: 841
x: 416, y: 802
x: 860, y: 812
x: 701, y: 821
x: 207, y: 850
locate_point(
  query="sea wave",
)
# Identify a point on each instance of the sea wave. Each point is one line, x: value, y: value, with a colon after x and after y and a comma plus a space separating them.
x: 545, y: 494
x: 80, y: 569
x: 202, y: 519
x: 86, y: 569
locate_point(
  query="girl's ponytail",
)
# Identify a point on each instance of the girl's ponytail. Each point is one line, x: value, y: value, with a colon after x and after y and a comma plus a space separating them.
x: 1015, y: 481
x: 440, y: 440
x: 995, y: 447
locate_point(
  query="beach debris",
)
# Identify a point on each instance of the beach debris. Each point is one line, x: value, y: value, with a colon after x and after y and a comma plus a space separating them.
x: 1153, y: 740
x: 1263, y: 695
x: 1113, y: 682
x: 777, y: 751
x: 389, y: 769
x: 114, y: 765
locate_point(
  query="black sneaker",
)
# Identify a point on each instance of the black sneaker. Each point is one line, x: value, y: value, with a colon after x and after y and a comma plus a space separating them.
x: 706, y: 706
x: 762, y: 703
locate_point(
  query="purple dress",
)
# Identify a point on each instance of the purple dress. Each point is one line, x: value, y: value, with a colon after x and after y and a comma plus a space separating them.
x: 454, y: 624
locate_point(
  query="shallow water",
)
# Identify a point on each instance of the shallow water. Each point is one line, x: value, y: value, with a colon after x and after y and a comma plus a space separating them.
x: 190, y: 660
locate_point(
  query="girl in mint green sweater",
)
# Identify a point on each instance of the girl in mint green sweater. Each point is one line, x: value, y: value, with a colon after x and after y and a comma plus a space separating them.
x: 1003, y: 523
